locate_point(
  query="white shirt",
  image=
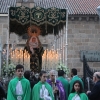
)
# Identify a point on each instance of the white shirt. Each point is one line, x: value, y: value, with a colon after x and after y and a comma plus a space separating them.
x: 76, y: 97
x: 19, y: 90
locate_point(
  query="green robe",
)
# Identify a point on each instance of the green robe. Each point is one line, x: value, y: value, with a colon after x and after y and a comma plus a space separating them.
x: 83, y: 96
x: 65, y: 84
x: 36, y: 91
x: 75, y: 78
x: 11, y: 94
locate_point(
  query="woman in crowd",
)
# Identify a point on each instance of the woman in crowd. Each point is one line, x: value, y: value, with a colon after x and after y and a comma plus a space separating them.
x: 77, y: 92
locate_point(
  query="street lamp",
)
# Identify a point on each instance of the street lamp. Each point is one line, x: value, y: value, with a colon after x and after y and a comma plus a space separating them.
x: 98, y: 11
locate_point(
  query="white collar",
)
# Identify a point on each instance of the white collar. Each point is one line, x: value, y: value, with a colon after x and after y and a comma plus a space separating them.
x: 76, y: 97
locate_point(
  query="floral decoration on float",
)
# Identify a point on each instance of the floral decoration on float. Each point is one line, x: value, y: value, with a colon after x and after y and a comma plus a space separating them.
x: 64, y: 68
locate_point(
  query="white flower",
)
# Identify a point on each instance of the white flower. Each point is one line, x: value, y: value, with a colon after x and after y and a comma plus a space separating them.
x: 64, y: 68
x: 8, y: 71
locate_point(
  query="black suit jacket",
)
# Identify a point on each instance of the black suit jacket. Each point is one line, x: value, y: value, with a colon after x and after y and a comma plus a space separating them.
x: 2, y: 92
x: 95, y: 92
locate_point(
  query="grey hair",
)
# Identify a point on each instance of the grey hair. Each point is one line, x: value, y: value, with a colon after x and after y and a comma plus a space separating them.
x: 53, y: 71
x: 97, y: 74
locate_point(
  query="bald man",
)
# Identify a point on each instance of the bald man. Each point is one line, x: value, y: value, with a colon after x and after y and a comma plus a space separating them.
x: 94, y: 94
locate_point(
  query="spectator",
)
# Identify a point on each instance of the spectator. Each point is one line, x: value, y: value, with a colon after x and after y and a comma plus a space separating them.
x: 94, y: 94
x: 2, y: 92
x: 27, y: 76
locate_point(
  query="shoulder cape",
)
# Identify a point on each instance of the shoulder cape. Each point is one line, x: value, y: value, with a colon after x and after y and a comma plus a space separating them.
x: 25, y: 86
x: 36, y: 91
x: 83, y: 96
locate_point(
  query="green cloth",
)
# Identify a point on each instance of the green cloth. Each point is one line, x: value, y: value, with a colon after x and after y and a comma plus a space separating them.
x: 65, y: 84
x: 83, y: 96
x: 11, y: 94
x: 36, y: 91
x: 75, y: 78
x: 22, y: 17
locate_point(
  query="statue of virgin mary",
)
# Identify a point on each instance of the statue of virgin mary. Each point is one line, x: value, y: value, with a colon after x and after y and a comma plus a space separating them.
x: 34, y: 47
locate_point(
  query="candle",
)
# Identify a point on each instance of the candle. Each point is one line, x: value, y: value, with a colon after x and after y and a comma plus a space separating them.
x: 55, y: 78
x: 50, y: 59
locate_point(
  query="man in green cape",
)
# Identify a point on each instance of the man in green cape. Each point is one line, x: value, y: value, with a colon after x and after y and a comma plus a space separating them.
x: 42, y: 90
x: 19, y: 87
x: 74, y: 78
x: 64, y: 82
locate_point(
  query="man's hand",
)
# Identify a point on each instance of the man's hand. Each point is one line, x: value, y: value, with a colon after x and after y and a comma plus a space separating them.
x: 55, y: 90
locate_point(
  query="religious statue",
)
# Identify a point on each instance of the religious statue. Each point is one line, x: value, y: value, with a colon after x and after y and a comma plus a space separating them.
x: 35, y: 49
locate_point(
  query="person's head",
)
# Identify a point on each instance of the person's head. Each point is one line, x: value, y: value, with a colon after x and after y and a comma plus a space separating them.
x: 77, y: 87
x: 61, y: 73
x: 33, y: 39
x: 43, y: 76
x: 96, y: 77
x: 19, y: 70
x: 37, y: 75
x: 52, y: 74
x: 73, y: 72
x: 33, y: 30
x: 27, y: 74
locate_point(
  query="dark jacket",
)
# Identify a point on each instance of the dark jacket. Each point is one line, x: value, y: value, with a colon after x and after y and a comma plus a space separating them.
x: 2, y: 92
x: 95, y: 92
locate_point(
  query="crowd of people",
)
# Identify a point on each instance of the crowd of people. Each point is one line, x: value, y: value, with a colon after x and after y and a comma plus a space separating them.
x: 54, y: 86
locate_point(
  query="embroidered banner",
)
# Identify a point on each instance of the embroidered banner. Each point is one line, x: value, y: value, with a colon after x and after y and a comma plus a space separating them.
x: 23, y: 17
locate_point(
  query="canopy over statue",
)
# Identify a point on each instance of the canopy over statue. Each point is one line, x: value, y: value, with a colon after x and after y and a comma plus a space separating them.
x: 23, y: 17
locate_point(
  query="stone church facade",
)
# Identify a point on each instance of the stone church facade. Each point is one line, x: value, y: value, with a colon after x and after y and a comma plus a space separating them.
x: 83, y: 33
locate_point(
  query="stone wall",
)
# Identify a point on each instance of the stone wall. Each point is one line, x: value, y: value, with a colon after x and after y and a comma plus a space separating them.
x: 82, y: 35
x: 4, y: 31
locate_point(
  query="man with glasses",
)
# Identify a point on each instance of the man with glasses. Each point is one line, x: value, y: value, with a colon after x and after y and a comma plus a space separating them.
x: 42, y: 90
x: 57, y: 86
x: 94, y: 94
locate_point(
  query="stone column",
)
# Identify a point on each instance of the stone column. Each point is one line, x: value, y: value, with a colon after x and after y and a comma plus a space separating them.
x: 65, y: 45
x: 61, y: 47
x: 66, y: 27
x: 0, y: 55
